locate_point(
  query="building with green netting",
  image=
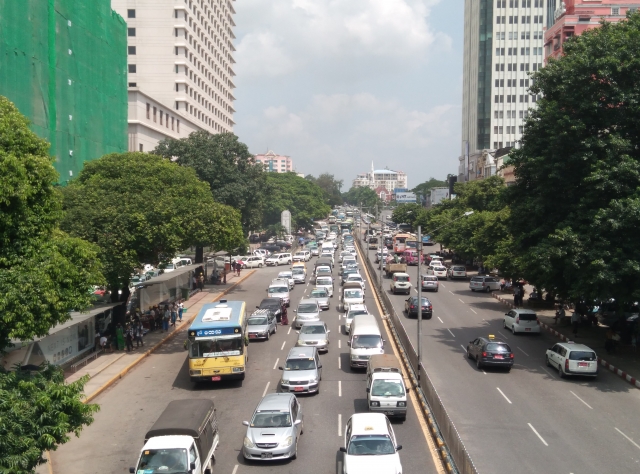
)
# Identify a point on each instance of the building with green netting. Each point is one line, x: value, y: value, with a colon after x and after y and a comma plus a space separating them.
x: 64, y: 64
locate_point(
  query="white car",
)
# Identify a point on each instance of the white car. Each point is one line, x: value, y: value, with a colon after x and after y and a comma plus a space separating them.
x: 254, y: 262
x: 325, y: 282
x: 279, y: 259
x: 261, y: 253
x: 353, y: 311
x: 288, y: 275
x: 370, y: 445
x: 315, y: 251
x: 400, y: 283
x: 430, y: 283
x: 484, y: 283
x: 344, y: 254
x: 440, y: 272
x: 521, y: 320
x: 348, y: 261
x: 357, y: 278
x: 301, y: 256
x: 572, y: 359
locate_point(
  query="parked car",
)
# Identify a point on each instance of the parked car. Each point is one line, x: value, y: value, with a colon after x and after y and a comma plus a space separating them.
x: 521, y: 320
x: 279, y: 259
x: 484, y: 283
x: 253, y: 262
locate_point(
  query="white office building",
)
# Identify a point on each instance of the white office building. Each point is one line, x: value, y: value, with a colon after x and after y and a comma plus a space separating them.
x: 389, y: 179
x: 503, y: 43
x: 180, y: 64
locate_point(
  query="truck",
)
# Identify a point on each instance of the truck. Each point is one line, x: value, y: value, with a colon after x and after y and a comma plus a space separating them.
x: 182, y: 440
x: 392, y: 267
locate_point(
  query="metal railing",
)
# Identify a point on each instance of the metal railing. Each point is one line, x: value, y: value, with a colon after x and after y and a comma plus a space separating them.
x: 457, y: 452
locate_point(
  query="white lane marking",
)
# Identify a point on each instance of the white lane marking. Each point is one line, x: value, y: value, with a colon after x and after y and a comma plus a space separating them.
x: 542, y: 439
x: 415, y: 290
x: 502, y: 335
x: 235, y: 469
x: 463, y: 348
x: 545, y: 370
x: 628, y: 439
x: 581, y: 400
x: 276, y: 364
x: 283, y: 343
x: 339, y: 362
x: 265, y: 389
x: 339, y: 424
x: 505, y: 397
x: 460, y: 301
x: 443, y: 285
x: 339, y: 344
x: 289, y: 331
x: 523, y: 352
x: 473, y: 310
x: 451, y: 332
x: 339, y: 388
x: 440, y: 320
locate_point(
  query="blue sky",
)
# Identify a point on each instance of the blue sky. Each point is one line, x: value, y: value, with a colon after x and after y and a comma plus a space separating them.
x: 337, y: 84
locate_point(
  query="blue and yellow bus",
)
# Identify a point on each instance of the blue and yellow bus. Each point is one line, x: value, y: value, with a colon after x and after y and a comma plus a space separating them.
x: 217, y: 342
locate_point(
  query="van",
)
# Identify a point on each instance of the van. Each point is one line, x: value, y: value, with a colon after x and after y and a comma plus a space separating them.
x: 386, y: 390
x: 327, y: 247
x: 365, y: 340
x: 279, y: 289
x: 410, y: 256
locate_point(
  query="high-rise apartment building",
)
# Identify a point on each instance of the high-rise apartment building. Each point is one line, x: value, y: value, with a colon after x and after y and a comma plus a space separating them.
x: 503, y: 43
x: 180, y: 67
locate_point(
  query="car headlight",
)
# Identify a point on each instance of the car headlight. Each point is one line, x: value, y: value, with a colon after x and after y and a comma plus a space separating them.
x: 402, y: 404
x: 248, y: 443
x: 238, y: 369
x: 288, y: 441
x: 313, y: 380
x: 324, y: 341
x: 374, y: 404
x: 284, y: 382
x: 195, y: 372
x: 301, y: 342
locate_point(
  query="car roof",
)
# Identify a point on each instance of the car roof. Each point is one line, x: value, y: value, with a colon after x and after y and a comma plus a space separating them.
x: 357, y: 307
x: 524, y: 311
x: 307, y: 301
x: 495, y: 340
x: 314, y: 323
x: 368, y: 423
x: 572, y: 346
x: 275, y: 401
x: 301, y: 353
x: 400, y: 274
x: 277, y: 282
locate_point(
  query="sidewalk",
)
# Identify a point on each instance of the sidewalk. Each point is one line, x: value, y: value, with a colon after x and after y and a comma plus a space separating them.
x: 108, y: 368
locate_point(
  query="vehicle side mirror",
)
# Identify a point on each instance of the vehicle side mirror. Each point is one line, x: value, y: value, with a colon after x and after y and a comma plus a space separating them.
x: 343, y: 449
x: 245, y: 423
x: 297, y: 422
x: 328, y: 331
x: 408, y: 389
x: 320, y: 366
x: 297, y: 332
x: 368, y: 390
x: 399, y: 447
x: 192, y: 466
x: 257, y: 307
x: 349, y: 343
x: 281, y: 368
x: 295, y: 310
x: 132, y: 470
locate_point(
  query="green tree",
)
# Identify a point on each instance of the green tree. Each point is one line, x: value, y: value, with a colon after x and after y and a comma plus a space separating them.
x: 44, y: 274
x: 406, y: 213
x: 226, y: 165
x: 330, y: 188
x: 288, y: 191
x: 575, y: 205
x: 362, y: 196
x: 141, y: 208
x: 423, y: 188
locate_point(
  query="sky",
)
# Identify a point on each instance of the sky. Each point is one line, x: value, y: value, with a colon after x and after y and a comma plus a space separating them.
x: 337, y: 84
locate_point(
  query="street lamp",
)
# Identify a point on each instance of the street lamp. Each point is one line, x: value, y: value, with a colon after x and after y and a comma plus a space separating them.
x: 419, y: 281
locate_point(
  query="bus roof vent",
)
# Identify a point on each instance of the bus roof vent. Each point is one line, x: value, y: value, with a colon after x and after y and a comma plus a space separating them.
x: 219, y: 313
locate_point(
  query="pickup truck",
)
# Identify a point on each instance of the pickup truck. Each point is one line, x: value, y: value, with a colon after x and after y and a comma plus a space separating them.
x: 390, y: 267
x: 183, y: 439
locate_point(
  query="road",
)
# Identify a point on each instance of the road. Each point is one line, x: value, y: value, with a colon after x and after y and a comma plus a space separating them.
x: 528, y: 420
x: 129, y: 408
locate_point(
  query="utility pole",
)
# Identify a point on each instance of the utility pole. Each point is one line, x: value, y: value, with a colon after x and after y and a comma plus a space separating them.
x: 381, y: 247
x: 419, y: 283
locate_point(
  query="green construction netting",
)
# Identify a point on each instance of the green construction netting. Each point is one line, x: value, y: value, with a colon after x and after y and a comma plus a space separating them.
x: 64, y: 64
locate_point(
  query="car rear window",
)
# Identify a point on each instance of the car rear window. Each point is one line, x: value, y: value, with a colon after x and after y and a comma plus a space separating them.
x: 477, y: 279
x: 459, y: 269
x: 582, y: 355
x: 493, y: 347
x: 527, y: 317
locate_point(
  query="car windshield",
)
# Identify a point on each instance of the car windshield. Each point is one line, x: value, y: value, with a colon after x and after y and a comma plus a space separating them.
x: 493, y: 347
x: 318, y: 294
x: 323, y: 281
x: 298, y: 271
x: 354, y: 278
x: 370, y: 445
x: 166, y: 461
x: 387, y: 388
x: 273, y: 419
x: 323, y: 270
x: 299, y: 254
x: 429, y: 278
x: 366, y: 342
x: 270, y: 305
x: 300, y: 364
x: 439, y: 269
x: 313, y: 329
x: 224, y: 346
x: 352, y: 294
x: 284, y: 275
x: 582, y: 355
x: 278, y: 289
x: 257, y: 321
x: 402, y: 278
x: 308, y: 308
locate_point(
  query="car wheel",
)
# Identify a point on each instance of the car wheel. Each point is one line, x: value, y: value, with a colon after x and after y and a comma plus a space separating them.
x: 259, y: 265
x: 468, y: 354
x: 504, y: 324
x: 508, y: 369
x: 295, y: 452
x: 488, y: 290
x: 513, y: 330
x: 268, y: 335
x: 478, y: 363
x: 436, y: 290
x: 561, y: 372
x: 302, y: 428
x: 547, y: 361
x: 472, y: 289
x: 275, y: 329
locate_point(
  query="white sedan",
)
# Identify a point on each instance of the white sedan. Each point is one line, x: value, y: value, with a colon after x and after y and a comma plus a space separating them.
x: 440, y: 272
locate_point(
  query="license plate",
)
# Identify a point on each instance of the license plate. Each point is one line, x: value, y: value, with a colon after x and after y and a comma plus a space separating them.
x: 216, y: 378
x: 583, y: 364
x: 252, y: 336
x: 266, y: 456
x: 527, y: 329
x: 498, y: 357
x: 389, y: 413
x: 298, y: 389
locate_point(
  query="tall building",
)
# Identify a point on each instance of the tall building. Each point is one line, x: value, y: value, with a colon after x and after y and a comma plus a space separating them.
x: 385, y: 178
x: 64, y: 67
x: 573, y: 17
x: 275, y: 163
x: 503, y: 43
x: 180, y: 68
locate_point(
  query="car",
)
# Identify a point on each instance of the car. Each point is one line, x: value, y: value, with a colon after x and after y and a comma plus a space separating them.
x: 301, y: 256
x: 299, y: 275
x: 572, y: 359
x: 314, y: 334
x: 344, y: 254
x: 439, y: 272
x: 253, y: 262
x: 400, y: 282
x: 279, y: 259
x: 261, y: 324
x: 321, y: 295
x: 457, y: 271
x: 315, y: 251
x: 138, y: 279
x: 287, y: 275
x: 484, y: 283
x: 345, y: 274
x: 411, y: 307
x: 430, y: 283
x: 302, y: 371
x: 352, y: 293
x: 261, y: 253
x: 489, y: 351
x: 308, y: 310
x: 272, y: 304
x: 274, y: 429
x: 271, y: 248
x: 327, y: 255
x: 279, y: 289
x: 325, y: 282
x: 355, y: 277
x: 370, y: 445
x: 353, y: 311
x: 348, y: 261
x: 521, y: 320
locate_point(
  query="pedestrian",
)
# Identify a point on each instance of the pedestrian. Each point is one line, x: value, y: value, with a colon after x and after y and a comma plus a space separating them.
x: 285, y: 318
x: 201, y: 282
x: 180, y: 310
x: 516, y: 296
x: 138, y: 335
x: 165, y: 319
x: 194, y: 283
x: 152, y: 318
x: 129, y: 338
x: 560, y: 314
x: 575, y: 322
x: 120, y: 337
x: 238, y: 268
x: 103, y: 343
x: 174, y: 315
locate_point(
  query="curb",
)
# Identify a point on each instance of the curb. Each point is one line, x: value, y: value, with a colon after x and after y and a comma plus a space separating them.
x: 141, y: 357
x: 620, y: 373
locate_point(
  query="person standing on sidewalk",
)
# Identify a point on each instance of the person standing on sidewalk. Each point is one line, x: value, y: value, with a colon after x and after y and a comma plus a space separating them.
x: 238, y: 268
x: 516, y: 296
x: 165, y: 319
x: 174, y: 315
x: 575, y: 322
x: 180, y: 310
x: 138, y: 334
x: 129, y: 338
x: 120, y: 337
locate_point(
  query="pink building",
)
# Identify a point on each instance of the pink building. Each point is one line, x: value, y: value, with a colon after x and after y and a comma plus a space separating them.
x: 572, y: 17
x: 383, y: 193
x: 275, y: 163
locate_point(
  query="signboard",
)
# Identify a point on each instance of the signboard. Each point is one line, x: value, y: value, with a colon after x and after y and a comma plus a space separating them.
x: 405, y: 197
x: 285, y: 220
x: 214, y: 332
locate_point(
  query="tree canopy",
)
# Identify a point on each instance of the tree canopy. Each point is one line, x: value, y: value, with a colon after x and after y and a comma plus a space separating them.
x: 330, y: 188
x: 406, y: 213
x: 575, y: 205
x: 362, y: 195
x: 141, y: 208
x: 423, y: 188
x: 44, y: 274
x: 304, y: 198
x: 221, y: 160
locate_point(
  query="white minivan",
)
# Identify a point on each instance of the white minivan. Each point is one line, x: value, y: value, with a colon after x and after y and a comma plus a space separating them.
x: 386, y: 390
x: 365, y: 341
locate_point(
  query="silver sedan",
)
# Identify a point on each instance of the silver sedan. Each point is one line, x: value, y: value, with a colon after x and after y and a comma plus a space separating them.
x: 321, y: 295
x: 314, y: 334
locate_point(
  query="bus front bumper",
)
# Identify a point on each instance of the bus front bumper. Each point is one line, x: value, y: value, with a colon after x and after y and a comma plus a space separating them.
x: 217, y: 375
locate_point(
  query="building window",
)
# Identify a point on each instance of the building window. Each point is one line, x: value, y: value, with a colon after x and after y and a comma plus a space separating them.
x: 161, y: 115
x: 178, y: 126
x: 155, y: 118
x: 148, y: 110
x: 131, y: 49
x: 172, y: 123
x: 131, y: 14
x: 131, y: 31
x: 141, y: 147
x: 133, y: 84
x: 132, y: 68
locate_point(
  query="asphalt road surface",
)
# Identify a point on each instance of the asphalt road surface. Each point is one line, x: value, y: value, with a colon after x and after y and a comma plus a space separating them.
x: 528, y: 420
x: 129, y: 408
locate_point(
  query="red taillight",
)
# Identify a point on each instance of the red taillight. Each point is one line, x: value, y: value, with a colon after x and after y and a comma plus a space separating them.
x: 484, y: 354
x: 566, y: 364
x: 538, y: 322
x: 429, y: 307
x: 518, y: 320
x: 408, y: 278
x: 412, y: 307
x: 483, y: 283
x: 511, y: 356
